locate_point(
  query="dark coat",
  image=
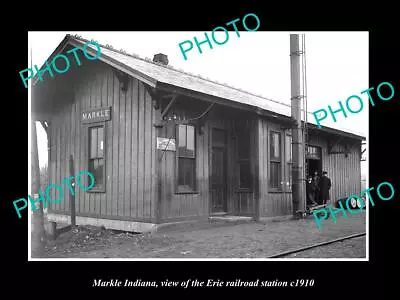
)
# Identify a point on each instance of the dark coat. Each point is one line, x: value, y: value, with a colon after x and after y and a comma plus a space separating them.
x: 310, y: 187
x: 315, y: 181
x: 324, y: 187
x: 317, y: 196
x: 310, y: 190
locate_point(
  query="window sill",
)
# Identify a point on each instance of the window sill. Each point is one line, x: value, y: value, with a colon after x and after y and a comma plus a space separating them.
x: 244, y: 190
x: 275, y: 191
x: 186, y: 192
x: 98, y: 190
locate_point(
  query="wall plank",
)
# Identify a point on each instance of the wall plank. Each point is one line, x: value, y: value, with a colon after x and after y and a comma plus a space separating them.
x: 128, y: 147
x: 206, y: 160
x: 68, y: 146
x: 103, y: 103
x: 116, y: 144
x: 59, y: 166
x: 148, y: 128
x: 62, y: 165
x: 109, y: 146
x: 134, y: 146
x: 154, y: 165
x: 121, y: 154
x: 141, y: 161
x: 79, y: 155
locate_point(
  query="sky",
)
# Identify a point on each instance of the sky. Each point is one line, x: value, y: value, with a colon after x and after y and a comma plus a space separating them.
x: 258, y: 62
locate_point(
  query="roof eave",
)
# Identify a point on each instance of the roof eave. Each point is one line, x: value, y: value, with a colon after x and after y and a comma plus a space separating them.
x: 211, y: 98
x: 337, y: 132
x: 59, y: 49
x: 69, y: 40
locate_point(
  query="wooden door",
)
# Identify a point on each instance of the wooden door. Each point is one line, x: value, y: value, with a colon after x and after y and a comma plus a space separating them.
x: 218, y: 172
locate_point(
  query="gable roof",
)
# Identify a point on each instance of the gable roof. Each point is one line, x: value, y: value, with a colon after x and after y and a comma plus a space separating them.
x: 156, y: 74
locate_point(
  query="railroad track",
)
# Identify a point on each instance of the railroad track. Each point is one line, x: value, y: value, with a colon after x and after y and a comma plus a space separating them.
x: 282, y: 254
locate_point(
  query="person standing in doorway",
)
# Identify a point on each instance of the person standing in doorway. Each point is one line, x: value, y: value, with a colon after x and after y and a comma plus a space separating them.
x: 310, y: 189
x: 316, y: 180
x: 324, y: 187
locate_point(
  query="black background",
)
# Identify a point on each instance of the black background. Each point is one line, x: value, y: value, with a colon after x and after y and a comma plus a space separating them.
x: 332, y: 279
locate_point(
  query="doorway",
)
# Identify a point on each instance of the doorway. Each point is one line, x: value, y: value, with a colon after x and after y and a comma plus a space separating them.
x: 313, y: 160
x: 218, y: 171
x: 313, y: 165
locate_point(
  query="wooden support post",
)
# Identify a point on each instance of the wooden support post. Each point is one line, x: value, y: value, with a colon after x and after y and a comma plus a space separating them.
x: 53, y: 230
x: 72, y: 194
x: 45, y: 126
x: 171, y: 102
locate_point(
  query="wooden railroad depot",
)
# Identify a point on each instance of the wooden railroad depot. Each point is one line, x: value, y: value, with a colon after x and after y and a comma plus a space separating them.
x: 168, y: 146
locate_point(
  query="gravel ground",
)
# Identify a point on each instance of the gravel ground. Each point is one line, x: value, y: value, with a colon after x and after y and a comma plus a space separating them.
x: 348, y: 248
x: 249, y: 240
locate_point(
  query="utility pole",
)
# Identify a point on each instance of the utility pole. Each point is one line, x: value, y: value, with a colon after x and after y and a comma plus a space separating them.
x: 298, y: 188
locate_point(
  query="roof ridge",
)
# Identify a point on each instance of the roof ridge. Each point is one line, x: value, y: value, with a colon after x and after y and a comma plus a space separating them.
x: 148, y: 60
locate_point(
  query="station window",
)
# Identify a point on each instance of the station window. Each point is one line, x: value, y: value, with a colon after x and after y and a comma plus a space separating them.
x: 97, y: 157
x: 275, y: 176
x: 186, y: 158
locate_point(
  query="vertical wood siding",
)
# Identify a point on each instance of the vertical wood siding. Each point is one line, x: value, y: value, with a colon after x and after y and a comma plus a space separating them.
x: 271, y: 203
x: 129, y: 145
x: 345, y: 173
x: 177, y: 206
x: 132, y: 159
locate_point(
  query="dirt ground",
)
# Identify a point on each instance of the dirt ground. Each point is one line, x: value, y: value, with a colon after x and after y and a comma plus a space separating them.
x: 249, y: 240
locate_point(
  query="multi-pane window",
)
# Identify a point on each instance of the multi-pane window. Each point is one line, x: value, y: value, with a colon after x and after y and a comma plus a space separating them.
x: 275, y: 160
x: 186, y: 157
x: 243, y: 145
x: 96, y: 156
x: 313, y: 152
x: 288, y: 158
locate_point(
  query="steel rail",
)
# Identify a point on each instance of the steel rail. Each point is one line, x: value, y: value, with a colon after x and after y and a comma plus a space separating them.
x: 317, y: 245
